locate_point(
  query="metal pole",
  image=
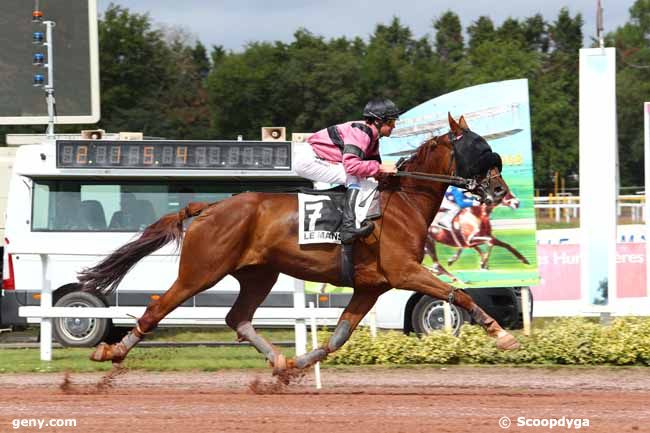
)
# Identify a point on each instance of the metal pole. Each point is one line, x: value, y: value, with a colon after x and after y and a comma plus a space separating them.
x: 49, y: 87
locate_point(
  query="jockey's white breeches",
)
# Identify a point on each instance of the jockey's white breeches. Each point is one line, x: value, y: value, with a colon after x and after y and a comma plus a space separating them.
x: 310, y: 166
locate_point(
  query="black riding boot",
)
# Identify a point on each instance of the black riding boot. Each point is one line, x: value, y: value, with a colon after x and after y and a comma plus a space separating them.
x: 349, y: 232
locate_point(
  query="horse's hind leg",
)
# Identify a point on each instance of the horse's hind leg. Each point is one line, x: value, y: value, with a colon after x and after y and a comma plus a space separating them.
x: 195, y: 275
x: 255, y: 284
x: 178, y: 293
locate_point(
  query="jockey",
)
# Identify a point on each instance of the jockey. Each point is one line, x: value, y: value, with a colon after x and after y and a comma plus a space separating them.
x: 347, y: 154
x: 456, y: 199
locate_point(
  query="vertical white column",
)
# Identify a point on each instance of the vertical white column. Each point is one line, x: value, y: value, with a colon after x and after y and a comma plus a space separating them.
x: 598, y: 174
x: 525, y: 309
x: 314, y: 343
x: 646, y: 153
x: 299, y: 303
x: 446, y: 311
x: 46, y: 303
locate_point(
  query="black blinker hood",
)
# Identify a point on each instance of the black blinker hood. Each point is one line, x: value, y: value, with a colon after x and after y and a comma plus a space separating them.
x: 474, y: 156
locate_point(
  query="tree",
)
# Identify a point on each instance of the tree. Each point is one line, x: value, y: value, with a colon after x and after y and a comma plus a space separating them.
x: 151, y: 80
x: 482, y: 30
x: 554, y: 99
x: 633, y: 89
x: 449, y: 37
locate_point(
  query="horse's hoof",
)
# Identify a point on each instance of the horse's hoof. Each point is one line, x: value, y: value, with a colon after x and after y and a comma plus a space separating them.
x: 279, y: 363
x: 507, y: 342
x: 105, y: 352
x: 101, y: 353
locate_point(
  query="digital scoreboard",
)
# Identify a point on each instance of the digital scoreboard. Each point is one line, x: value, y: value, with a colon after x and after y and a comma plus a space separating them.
x: 201, y: 155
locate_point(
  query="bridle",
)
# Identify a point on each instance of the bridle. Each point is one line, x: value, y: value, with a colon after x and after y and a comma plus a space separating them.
x: 470, y: 184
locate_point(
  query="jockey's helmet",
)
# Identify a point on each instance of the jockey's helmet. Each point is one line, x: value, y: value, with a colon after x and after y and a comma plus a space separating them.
x: 381, y: 109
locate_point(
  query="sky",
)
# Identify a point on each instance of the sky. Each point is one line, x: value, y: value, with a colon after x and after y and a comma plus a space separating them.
x: 233, y: 23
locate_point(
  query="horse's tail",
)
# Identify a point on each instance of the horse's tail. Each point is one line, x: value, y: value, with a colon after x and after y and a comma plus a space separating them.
x: 105, y: 276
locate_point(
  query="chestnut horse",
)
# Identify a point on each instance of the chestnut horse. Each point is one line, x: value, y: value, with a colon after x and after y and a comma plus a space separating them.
x: 470, y: 228
x: 254, y: 237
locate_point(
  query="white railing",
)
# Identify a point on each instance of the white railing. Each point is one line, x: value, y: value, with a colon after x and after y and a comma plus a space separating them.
x: 567, y: 207
x: 46, y: 313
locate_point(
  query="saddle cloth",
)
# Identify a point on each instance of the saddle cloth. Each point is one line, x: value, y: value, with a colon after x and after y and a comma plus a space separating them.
x: 320, y: 213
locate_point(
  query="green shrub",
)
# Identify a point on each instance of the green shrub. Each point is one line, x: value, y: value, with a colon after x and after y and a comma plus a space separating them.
x: 576, y: 341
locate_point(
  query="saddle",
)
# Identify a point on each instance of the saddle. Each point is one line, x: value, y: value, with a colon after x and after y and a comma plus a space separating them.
x: 320, y: 213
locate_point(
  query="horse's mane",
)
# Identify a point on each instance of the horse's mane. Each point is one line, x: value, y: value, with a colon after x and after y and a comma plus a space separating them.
x: 419, y: 154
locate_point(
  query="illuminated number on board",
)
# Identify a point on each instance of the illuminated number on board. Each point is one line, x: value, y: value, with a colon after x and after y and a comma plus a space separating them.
x: 181, y: 155
x: 147, y: 155
x: 82, y: 155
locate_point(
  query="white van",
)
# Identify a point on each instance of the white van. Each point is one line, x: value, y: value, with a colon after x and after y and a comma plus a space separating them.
x: 74, y: 202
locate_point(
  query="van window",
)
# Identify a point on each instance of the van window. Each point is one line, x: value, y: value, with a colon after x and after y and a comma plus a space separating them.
x: 127, y: 206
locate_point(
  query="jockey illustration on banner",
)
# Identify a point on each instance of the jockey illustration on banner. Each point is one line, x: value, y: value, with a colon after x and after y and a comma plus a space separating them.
x: 456, y: 199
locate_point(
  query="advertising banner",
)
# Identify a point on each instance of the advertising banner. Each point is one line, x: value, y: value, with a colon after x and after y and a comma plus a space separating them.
x: 486, y: 246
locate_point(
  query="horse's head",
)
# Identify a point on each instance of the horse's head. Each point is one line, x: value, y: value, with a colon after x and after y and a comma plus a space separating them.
x: 475, y: 161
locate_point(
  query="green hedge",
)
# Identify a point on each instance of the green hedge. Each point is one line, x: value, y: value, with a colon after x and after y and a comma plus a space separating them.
x: 574, y: 341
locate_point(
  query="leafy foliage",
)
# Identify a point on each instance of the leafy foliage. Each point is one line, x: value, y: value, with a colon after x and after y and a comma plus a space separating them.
x: 574, y: 341
x: 161, y: 81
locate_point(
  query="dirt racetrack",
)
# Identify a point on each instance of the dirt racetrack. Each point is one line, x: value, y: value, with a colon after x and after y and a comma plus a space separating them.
x: 376, y: 400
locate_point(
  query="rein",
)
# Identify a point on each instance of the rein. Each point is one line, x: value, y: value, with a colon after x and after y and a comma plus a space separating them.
x: 452, y: 180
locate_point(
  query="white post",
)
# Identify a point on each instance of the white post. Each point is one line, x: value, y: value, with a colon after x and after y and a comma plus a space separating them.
x: 314, y: 343
x: 373, y: 322
x: 300, y: 326
x: 447, y: 315
x: 598, y: 175
x: 646, y: 115
x: 46, y: 302
x: 525, y: 308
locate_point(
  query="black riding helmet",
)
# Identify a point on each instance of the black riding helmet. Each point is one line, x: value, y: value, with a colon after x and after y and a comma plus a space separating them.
x: 381, y: 109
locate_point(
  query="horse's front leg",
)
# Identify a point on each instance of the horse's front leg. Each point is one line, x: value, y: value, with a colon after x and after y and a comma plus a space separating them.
x: 413, y: 276
x: 359, y: 305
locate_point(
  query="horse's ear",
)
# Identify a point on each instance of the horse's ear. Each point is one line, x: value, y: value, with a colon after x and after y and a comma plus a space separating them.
x: 455, y: 127
x: 462, y: 122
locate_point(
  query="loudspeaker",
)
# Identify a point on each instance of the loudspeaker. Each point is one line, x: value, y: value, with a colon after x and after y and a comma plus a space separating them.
x: 92, y: 134
x: 300, y: 137
x: 274, y: 133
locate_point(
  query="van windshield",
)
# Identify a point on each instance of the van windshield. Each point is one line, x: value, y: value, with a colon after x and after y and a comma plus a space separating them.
x: 128, y: 206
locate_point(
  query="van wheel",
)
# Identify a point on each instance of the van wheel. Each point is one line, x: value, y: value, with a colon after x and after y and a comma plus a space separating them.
x: 428, y: 316
x: 75, y: 332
